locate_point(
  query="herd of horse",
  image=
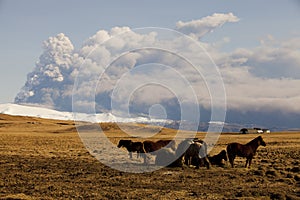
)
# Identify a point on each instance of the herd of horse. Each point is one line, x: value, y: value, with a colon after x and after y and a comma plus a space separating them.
x: 191, y: 152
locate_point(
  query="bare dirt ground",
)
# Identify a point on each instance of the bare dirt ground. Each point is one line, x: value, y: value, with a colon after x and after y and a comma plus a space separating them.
x: 45, y: 159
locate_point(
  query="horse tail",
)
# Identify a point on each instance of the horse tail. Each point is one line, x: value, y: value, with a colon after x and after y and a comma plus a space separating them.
x: 144, y: 153
x: 229, y: 150
x: 225, y: 155
x: 204, y: 148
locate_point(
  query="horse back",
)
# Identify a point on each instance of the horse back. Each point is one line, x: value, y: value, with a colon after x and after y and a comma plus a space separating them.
x: 148, y: 146
x: 137, y: 146
x: 166, y: 143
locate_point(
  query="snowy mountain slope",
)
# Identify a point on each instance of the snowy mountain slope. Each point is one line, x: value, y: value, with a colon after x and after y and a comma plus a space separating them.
x: 32, y: 111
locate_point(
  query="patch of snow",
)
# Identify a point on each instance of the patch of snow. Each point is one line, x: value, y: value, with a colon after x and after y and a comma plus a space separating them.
x: 46, y: 113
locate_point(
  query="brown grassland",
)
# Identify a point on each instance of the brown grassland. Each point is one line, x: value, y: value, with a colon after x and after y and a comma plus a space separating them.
x: 45, y: 159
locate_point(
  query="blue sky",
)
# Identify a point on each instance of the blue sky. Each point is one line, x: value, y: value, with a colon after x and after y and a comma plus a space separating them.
x: 26, y: 24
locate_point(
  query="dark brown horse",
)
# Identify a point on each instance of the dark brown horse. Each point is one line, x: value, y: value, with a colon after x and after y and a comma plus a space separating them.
x: 150, y: 146
x: 154, y: 147
x: 244, y: 150
x: 132, y: 147
x: 218, y: 159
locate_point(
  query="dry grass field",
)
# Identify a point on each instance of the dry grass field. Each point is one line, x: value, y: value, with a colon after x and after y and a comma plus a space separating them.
x: 45, y: 159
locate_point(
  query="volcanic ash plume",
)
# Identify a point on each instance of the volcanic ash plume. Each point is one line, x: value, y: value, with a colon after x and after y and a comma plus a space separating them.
x: 44, y: 84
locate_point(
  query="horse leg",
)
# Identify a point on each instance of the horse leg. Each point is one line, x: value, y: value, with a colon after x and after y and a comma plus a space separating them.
x: 249, y: 163
x: 186, y: 160
x: 197, y: 159
x: 146, y: 158
x: 206, y: 162
x: 231, y: 160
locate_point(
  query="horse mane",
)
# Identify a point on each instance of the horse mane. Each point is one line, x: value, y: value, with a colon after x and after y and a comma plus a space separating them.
x: 254, y: 141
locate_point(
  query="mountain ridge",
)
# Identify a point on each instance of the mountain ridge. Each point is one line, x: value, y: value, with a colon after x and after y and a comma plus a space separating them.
x: 47, y: 113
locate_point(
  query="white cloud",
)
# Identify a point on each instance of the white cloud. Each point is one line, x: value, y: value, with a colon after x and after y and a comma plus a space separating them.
x: 100, y: 37
x: 262, y: 79
x: 198, y: 28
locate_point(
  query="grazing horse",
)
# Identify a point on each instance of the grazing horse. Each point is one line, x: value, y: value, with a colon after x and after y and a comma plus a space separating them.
x: 153, y: 147
x: 194, y: 152
x: 132, y: 147
x: 150, y: 146
x: 244, y: 150
x: 218, y: 159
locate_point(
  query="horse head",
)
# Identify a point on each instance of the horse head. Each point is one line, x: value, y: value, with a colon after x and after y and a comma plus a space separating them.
x: 124, y: 143
x: 261, y: 141
x: 224, y: 155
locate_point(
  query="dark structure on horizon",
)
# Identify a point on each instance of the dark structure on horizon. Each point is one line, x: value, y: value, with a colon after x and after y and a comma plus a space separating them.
x: 254, y: 130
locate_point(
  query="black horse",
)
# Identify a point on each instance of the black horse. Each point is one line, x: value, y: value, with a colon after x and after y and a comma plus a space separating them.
x: 132, y: 147
x: 218, y: 159
x: 244, y: 150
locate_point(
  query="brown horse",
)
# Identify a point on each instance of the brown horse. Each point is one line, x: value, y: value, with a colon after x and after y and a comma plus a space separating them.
x: 132, y: 147
x: 154, y: 147
x: 150, y: 146
x: 244, y: 150
x: 218, y: 159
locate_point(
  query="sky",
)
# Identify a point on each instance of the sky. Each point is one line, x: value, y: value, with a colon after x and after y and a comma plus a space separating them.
x: 266, y: 34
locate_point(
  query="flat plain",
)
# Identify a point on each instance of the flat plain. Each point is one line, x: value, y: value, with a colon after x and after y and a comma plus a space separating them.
x: 46, y: 159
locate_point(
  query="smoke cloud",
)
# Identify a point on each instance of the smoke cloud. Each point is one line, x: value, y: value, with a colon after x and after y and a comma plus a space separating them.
x: 48, y: 82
